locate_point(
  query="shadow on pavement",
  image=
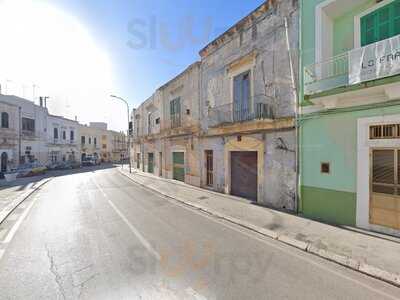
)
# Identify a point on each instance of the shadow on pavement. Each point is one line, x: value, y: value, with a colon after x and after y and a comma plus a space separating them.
x: 22, y: 183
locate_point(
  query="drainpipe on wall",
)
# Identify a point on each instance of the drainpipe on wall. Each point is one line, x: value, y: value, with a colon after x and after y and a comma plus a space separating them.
x: 295, y: 96
x: 19, y: 135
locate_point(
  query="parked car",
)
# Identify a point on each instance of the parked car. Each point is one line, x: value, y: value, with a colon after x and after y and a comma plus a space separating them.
x: 89, y: 162
x: 30, y: 169
x: 74, y: 164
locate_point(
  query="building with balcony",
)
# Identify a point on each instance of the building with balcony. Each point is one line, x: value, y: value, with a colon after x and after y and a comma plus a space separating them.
x: 350, y: 112
x: 32, y: 137
x: 9, y: 136
x: 227, y: 122
x: 166, y: 129
x: 62, y: 140
x: 248, y: 107
x: 97, y: 141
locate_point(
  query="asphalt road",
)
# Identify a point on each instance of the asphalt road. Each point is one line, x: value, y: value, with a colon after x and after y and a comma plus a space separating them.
x: 97, y: 235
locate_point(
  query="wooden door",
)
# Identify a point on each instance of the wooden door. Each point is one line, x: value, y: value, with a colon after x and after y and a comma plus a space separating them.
x: 150, y: 163
x: 385, y: 188
x: 178, y: 161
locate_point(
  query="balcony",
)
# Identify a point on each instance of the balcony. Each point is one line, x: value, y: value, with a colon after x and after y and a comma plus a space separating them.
x: 234, y: 113
x: 374, y: 61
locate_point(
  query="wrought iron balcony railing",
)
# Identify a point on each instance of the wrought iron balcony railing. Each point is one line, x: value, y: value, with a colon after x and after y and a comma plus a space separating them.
x: 326, y: 75
x: 234, y: 112
x: 373, y: 61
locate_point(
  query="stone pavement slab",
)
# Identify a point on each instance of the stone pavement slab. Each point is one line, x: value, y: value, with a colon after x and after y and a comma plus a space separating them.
x: 375, y: 255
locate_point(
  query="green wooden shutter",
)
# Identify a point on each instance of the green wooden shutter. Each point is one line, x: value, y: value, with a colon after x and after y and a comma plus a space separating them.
x: 384, y: 23
x: 381, y: 24
x: 396, y: 17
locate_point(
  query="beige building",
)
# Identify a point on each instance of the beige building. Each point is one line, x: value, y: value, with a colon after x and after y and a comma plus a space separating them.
x: 166, y: 129
x: 99, y: 142
x: 227, y: 122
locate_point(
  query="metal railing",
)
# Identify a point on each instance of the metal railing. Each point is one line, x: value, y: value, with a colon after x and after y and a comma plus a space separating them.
x: 237, y: 112
x: 176, y: 120
x: 326, y: 75
x: 335, y: 72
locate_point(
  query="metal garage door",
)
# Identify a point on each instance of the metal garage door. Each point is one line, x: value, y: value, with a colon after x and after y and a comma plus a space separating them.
x: 244, y: 174
x: 178, y: 160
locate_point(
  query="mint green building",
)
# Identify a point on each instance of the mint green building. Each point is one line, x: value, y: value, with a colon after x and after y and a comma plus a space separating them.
x: 350, y: 113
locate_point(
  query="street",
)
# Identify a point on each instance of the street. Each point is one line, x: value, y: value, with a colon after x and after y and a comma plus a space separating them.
x: 98, y: 235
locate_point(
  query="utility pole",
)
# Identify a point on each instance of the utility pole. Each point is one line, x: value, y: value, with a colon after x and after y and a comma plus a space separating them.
x: 129, y: 136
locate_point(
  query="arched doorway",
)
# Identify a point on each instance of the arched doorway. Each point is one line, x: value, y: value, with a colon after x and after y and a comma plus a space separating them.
x: 4, y: 160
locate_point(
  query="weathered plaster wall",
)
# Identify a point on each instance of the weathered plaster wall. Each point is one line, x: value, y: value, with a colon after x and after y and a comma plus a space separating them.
x: 270, y: 69
x: 280, y: 169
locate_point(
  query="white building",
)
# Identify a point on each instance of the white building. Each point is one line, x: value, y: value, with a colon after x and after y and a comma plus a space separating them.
x: 9, y: 129
x: 62, y: 140
x: 33, y: 131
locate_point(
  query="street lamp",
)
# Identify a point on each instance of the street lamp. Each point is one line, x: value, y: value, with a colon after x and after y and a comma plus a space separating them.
x: 129, y: 136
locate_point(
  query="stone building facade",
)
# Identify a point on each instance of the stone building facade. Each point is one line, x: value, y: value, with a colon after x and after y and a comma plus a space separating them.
x: 232, y: 128
x: 62, y: 140
x: 166, y: 129
x: 9, y: 135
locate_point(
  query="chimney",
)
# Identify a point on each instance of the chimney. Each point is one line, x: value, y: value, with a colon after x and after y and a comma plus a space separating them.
x: 41, y: 101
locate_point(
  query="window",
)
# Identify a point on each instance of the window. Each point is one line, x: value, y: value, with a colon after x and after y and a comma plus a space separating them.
x: 71, y: 135
x: 381, y: 24
x: 325, y: 168
x: 104, y: 146
x: 95, y: 141
x: 384, y: 131
x: 28, y: 124
x: 158, y: 121
x: 241, y: 97
x: 64, y: 135
x: 149, y: 123
x: 90, y: 140
x: 254, y: 32
x: 210, y: 167
x: 175, y: 113
x: 83, y: 140
x: 55, y: 133
x: 4, y: 120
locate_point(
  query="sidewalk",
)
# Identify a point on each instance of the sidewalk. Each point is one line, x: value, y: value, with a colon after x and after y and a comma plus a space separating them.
x: 373, y: 254
x: 12, y: 194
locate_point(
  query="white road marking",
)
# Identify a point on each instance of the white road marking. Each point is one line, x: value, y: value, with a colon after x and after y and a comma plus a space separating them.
x: 280, y: 247
x: 195, y: 294
x: 290, y: 251
x: 14, y: 229
x: 136, y: 232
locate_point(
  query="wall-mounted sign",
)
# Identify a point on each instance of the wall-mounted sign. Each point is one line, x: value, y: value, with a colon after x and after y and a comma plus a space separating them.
x: 378, y: 60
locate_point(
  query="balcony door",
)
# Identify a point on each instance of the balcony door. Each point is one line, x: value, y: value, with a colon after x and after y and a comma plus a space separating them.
x: 381, y: 24
x: 241, y: 97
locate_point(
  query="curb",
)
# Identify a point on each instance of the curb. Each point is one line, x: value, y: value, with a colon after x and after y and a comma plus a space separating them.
x: 345, y: 261
x: 13, y: 205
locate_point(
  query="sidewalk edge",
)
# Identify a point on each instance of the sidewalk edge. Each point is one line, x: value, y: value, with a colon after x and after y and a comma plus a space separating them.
x: 345, y: 261
x: 13, y: 205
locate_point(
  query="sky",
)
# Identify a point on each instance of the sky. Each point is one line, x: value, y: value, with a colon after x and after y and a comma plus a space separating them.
x: 79, y: 52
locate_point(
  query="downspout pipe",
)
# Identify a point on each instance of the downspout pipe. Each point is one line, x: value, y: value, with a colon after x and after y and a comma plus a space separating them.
x: 296, y: 106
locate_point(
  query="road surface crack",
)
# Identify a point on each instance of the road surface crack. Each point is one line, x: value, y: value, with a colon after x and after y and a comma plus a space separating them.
x: 54, y: 271
x: 83, y: 283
